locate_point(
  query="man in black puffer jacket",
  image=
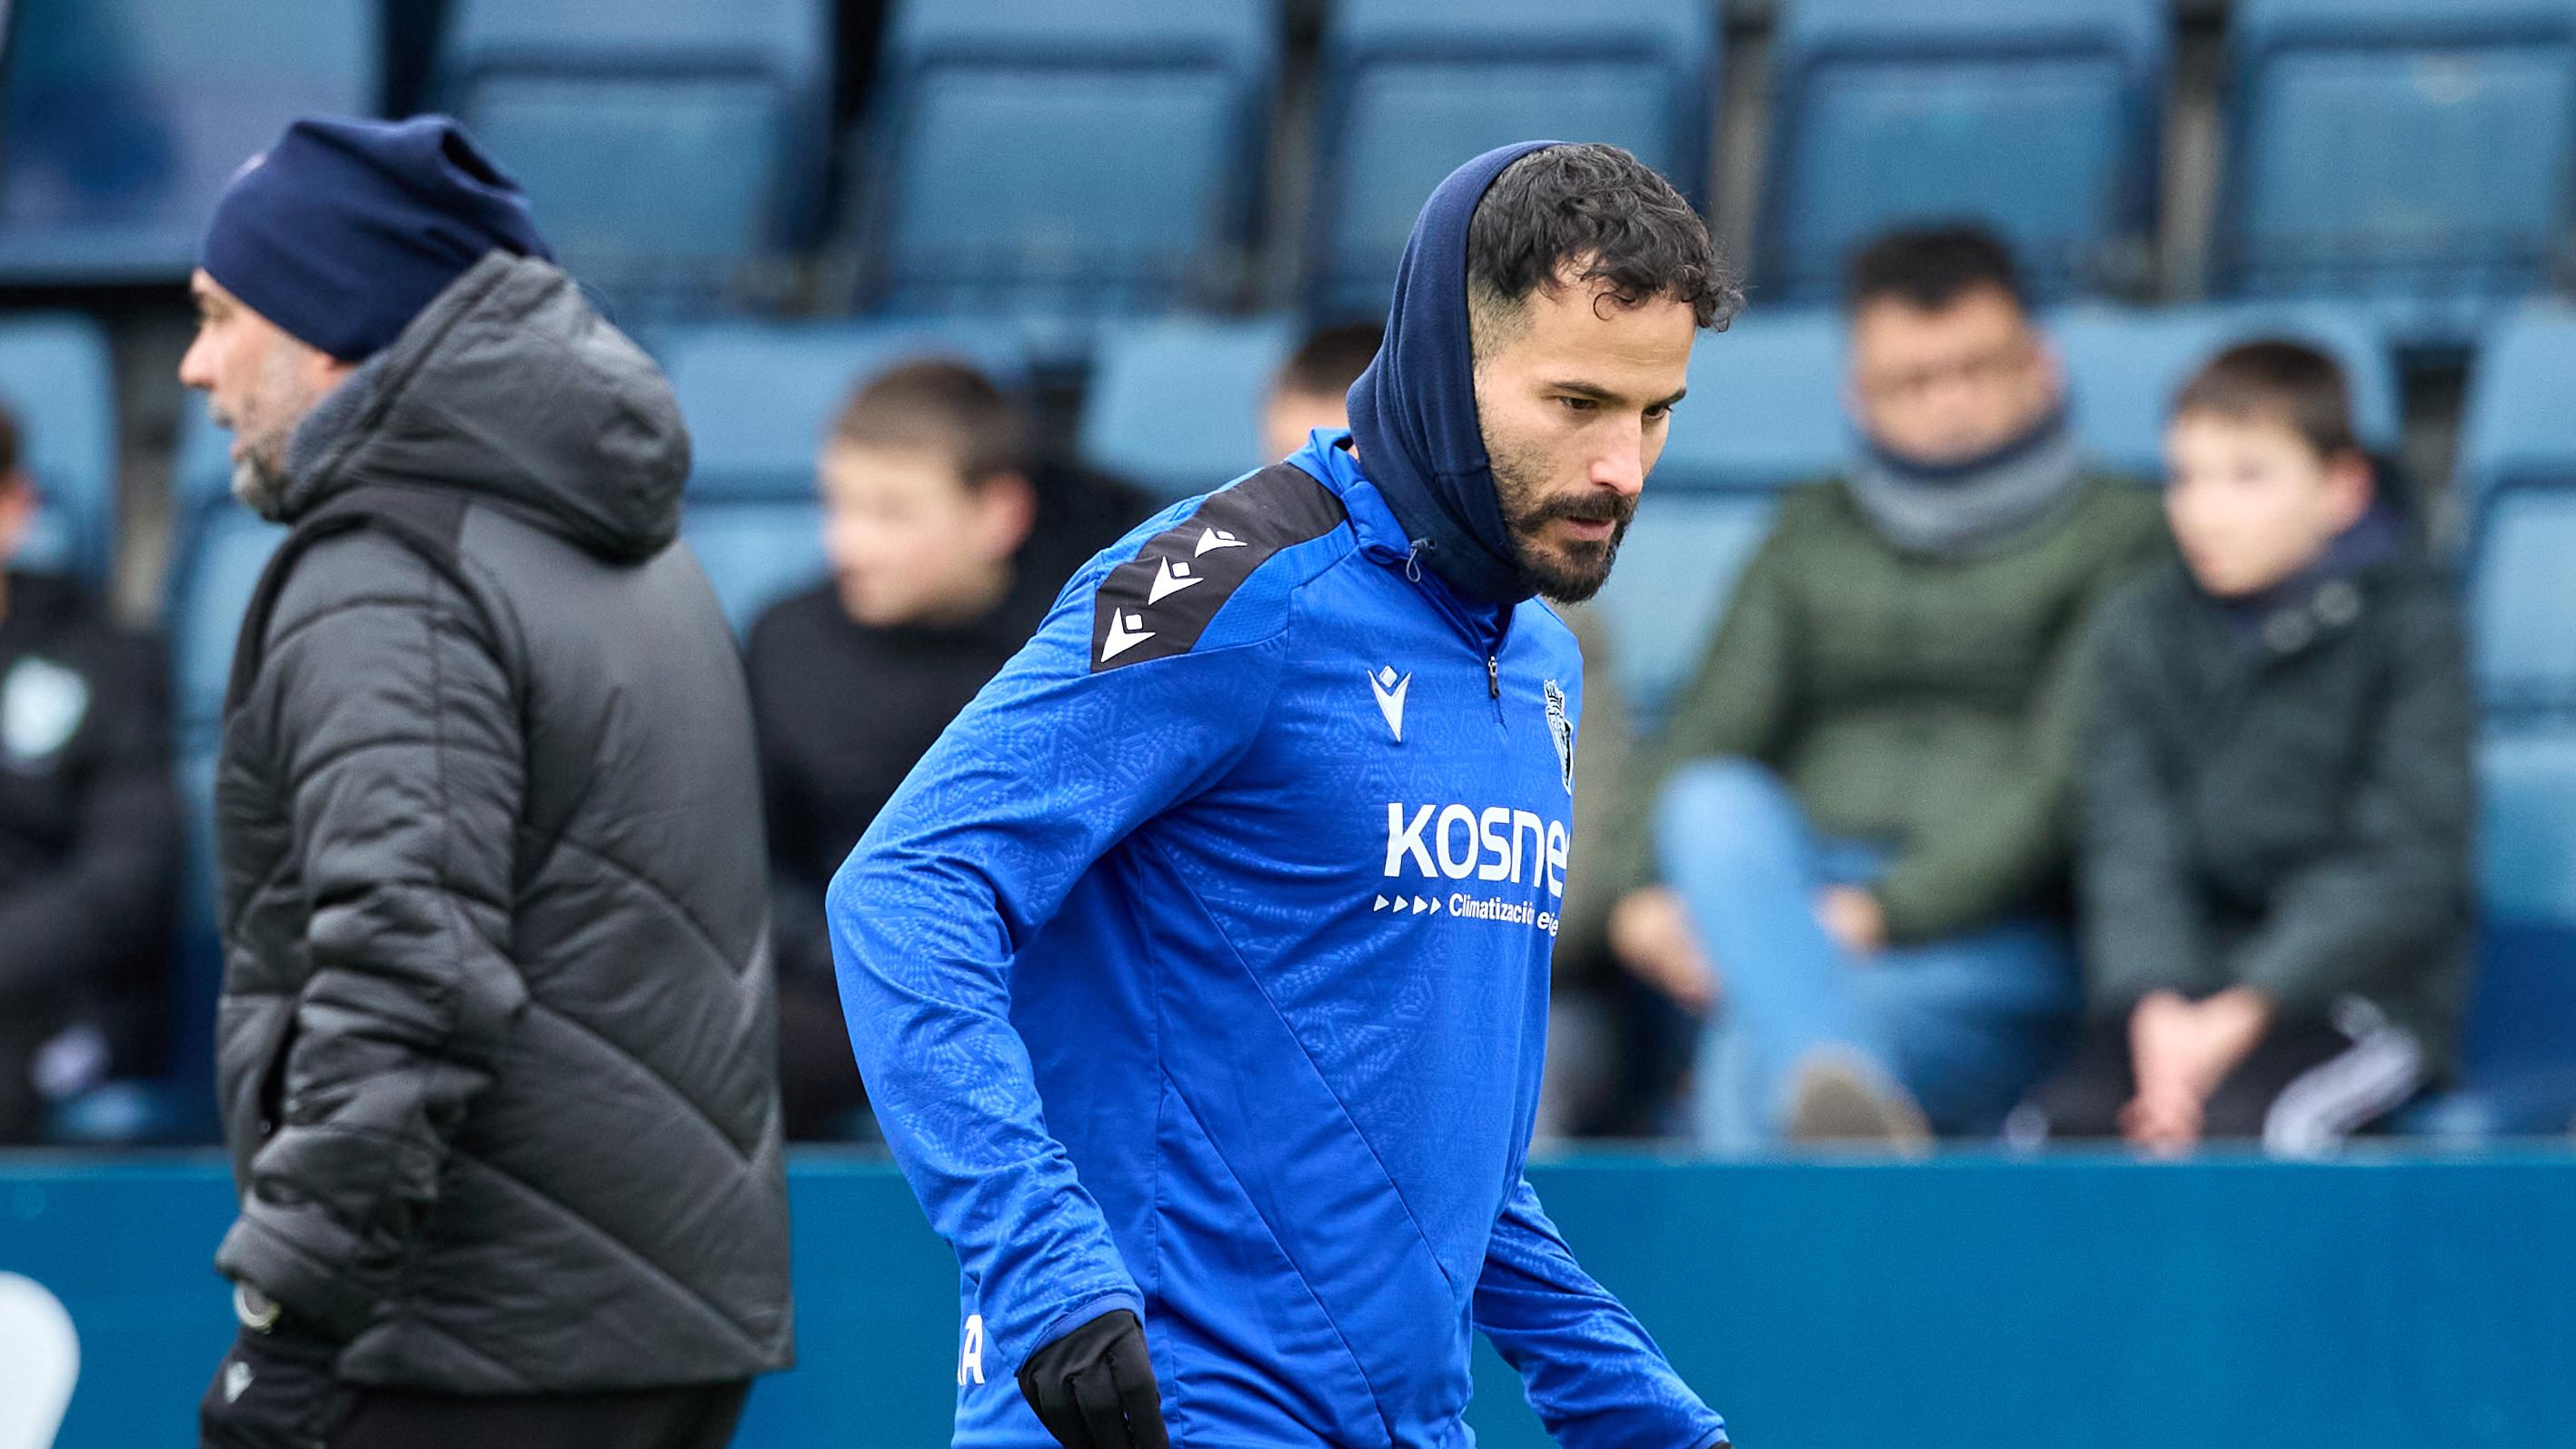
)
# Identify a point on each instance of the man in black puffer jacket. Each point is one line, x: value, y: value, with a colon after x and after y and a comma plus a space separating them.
x: 495, y: 1043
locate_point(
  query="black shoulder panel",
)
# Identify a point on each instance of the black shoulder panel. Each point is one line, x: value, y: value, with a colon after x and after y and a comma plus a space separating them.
x: 1157, y: 604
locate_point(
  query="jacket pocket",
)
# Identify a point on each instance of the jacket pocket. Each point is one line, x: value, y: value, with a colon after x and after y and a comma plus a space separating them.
x: 254, y: 1035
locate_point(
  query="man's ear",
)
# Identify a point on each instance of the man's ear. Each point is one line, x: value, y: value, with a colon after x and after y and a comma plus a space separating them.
x: 2053, y: 363
x: 1006, y: 511
x: 18, y: 504
x: 2354, y: 486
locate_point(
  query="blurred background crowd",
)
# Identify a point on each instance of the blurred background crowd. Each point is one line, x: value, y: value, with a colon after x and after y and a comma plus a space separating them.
x: 2097, y: 657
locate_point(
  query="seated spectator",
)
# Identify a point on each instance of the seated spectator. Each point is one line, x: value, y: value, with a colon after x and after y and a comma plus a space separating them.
x: 946, y: 545
x: 89, y: 833
x: 1312, y: 388
x: 2275, y: 856
x: 1860, y: 831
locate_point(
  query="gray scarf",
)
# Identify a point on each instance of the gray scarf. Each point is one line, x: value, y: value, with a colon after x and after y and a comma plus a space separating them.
x: 1971, y: 508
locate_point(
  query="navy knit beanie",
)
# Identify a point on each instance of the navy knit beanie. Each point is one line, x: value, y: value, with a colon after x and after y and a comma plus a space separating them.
x: 344, y: 230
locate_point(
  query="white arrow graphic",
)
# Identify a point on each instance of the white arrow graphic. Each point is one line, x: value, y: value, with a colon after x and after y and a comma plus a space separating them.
x: 1126, y: 631
x: 1171, y: 580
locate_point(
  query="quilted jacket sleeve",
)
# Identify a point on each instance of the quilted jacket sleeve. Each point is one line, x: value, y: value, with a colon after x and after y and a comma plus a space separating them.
x: 398, y: 744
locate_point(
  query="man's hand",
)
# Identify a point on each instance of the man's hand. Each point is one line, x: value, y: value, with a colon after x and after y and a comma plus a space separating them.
x: 2182, y: 1051
x: 1650, y: 933
x: 1854, y: 918
x: 1094, y: 1388
x: 2223, y: 1032
x: 279, y: 1388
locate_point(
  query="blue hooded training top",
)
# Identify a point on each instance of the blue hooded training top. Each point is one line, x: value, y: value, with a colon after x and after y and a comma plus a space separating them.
x: 1201, y: 968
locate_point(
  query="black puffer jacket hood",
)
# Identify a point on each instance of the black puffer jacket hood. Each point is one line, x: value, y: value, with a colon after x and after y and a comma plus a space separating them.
x: 510, y: 385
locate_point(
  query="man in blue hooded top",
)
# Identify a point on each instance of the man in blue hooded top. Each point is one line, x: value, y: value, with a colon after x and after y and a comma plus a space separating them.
x: 1199, y: 972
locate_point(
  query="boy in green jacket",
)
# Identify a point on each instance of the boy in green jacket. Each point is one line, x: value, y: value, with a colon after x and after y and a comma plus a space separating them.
x: 2275, y: 859
x: 1860, y: 830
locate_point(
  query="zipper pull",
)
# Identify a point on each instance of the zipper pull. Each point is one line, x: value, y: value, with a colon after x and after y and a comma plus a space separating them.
x: 1494, y: 675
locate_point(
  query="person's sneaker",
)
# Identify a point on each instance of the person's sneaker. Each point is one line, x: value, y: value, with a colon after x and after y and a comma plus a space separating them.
x: 1837, y: 1101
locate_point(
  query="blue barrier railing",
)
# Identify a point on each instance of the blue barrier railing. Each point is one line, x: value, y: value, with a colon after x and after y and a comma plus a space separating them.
x: 2086, y: 1302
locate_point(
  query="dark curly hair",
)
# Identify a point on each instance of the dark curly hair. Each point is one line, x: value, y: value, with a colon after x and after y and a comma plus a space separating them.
x: 1599, y: 214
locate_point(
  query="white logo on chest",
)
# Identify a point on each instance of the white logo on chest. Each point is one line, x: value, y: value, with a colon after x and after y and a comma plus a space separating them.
x: 1390, y: 698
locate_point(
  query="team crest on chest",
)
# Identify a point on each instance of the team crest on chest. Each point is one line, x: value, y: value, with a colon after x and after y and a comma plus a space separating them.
x: 1561, y: 730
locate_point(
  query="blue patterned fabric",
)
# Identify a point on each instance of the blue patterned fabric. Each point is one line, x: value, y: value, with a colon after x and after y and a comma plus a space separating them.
x: 1201, y: 969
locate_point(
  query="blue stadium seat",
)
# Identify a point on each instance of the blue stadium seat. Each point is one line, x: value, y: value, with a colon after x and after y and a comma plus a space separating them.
x: 2415, y: 154
x: 1414, y: 87
x: 1175, y: 405
x: 1765, y: 406
x: 1073, y: 160
x: 1764, y: 411
x: 2518, y: 478
x: 671, y: 147
x: 2041, y: 118
x: 57, y: 381
x: 2123, y: 366
x: 2519, y: 1052
x: 121, y: 120
x: 2518, y: 484
x: 758, y: 400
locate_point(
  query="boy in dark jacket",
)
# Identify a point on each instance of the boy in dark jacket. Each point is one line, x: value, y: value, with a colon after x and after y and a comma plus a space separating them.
x: 2275, y: 852
x: 946, y: 547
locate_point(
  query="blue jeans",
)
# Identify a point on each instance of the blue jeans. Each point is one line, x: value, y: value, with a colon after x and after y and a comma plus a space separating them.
x: 1967, y: 1024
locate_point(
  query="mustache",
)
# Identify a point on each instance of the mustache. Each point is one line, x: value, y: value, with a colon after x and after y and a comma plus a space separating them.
x: 1587, y: 507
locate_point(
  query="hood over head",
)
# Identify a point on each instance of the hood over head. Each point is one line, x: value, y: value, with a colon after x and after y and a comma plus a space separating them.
x: 511, y: 386
x: 1413, y: 413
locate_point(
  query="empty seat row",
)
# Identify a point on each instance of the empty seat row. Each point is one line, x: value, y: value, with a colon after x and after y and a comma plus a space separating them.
x: 121, y: 120
x: 1108, y: 159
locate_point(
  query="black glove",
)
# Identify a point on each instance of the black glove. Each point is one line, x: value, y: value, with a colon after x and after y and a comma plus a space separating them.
x: 1094, y: 1387
x: 279, y: 1388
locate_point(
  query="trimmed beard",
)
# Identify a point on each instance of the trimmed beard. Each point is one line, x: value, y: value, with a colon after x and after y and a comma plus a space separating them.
x: 259, y: 487
x: 1577, y: 572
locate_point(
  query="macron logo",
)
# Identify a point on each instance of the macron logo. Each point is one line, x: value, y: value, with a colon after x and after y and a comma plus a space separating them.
x: 1390, y: 698
x: 1216, y: 538
x: 1171, y: 580
x: 1126, y: 631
